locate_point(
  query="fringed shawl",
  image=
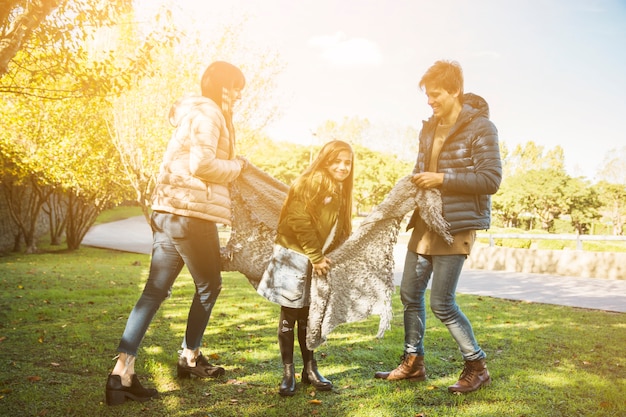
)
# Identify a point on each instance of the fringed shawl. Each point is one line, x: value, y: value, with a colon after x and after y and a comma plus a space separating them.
x: 360, y: 282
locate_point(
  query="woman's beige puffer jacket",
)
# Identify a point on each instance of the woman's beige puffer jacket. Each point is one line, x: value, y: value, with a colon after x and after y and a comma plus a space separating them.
x: 198, y: 164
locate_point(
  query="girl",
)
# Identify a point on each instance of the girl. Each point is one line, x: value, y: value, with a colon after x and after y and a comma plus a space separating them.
x: 315, y: 219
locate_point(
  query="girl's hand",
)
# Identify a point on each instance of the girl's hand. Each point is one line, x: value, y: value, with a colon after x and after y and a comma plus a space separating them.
x: 322, y: 267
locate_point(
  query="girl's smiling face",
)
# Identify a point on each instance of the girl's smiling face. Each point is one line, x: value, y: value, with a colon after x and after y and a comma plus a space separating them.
x: 340, y: 167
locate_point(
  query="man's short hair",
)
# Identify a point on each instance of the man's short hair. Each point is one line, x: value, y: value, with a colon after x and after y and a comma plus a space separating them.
x: 445, y: 74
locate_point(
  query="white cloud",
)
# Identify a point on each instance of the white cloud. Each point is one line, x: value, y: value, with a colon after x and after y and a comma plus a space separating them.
x: 347, y: 53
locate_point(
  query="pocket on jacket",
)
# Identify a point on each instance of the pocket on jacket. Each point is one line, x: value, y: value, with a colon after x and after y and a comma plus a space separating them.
x: 285, y: 280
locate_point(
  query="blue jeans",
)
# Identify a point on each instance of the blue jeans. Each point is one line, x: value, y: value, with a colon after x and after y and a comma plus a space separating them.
x: 445, y: 271
x: 178, y: 241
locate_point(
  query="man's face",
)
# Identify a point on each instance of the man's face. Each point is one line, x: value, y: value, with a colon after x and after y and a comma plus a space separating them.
x: 440, y: 100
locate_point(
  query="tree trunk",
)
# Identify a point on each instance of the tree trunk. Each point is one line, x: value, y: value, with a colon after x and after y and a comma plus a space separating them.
x: 56, y: 209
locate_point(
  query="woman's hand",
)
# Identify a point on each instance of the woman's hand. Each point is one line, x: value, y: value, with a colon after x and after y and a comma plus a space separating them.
x: 243, y: 162
x: 322, y: 268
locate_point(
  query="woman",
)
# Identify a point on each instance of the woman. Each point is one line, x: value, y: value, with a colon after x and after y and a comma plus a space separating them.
x: 191, y: 196
x: 315, y: 218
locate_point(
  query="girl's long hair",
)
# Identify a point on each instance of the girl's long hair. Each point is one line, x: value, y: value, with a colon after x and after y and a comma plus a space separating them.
x: 218, y: 82
x: 315, y: 184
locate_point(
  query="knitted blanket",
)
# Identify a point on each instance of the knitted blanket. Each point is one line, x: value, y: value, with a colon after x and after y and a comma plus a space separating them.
x: 360, y: 282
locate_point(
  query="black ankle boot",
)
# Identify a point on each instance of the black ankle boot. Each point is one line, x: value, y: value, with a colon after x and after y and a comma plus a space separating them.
x: 116, y: 393
x: 202, y: 369
x: 310, y: 375
x: 288, y: 384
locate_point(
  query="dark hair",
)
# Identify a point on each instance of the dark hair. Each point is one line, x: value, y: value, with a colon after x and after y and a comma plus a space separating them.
x: 217, y: 83
x: 315, y: 183
x: 218, y: 76
x: 445, y: 74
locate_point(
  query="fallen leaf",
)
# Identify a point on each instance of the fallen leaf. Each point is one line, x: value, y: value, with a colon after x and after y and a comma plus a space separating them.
x: 55, y: 364
x: 34, y: 378
x: 316, y: 402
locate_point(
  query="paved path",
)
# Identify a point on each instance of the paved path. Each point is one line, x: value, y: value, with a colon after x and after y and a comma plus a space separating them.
x: 134, y: 235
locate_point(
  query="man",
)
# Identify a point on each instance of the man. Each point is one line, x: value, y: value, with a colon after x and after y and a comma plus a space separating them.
x: 458, y: 154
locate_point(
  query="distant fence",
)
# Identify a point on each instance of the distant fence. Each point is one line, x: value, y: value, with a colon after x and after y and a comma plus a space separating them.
x: 529, y: 236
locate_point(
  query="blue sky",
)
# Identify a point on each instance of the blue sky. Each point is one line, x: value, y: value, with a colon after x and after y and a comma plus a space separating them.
x: 552, y: 71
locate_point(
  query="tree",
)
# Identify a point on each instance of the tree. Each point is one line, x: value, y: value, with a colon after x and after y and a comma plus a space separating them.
x: 535, y: 192
x: 57, y: 152
x: 375, y: 174
x: 400, y: 141
x: 139, y: 127
x: 94, y: 180
x: 54, y: 39
x: 530, y: 156
x: 25, y: 194
x: 613, y: 197
x: 282, y: 160
x: 508, y: 203
x: 532, y: 185
x: 18, y: 20
x: 583, y: 203
x: 53, y: 95
x: 28, y: 179
x: 614, y: 167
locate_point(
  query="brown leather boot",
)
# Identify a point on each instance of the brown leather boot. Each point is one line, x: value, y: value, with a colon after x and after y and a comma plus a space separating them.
x: 411, y: 368
x: 474, y: 376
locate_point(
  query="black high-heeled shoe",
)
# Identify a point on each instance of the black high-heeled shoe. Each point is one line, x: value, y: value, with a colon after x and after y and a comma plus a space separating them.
x: 116, y: 393
x: 202, y: 369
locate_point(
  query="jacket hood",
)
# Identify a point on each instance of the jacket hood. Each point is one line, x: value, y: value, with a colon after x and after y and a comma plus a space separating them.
x: 477, y: 104
x: 183, y: 106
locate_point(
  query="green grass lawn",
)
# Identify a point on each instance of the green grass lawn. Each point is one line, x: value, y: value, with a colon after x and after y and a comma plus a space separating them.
x: 118, y: 213
x: 62, y: 314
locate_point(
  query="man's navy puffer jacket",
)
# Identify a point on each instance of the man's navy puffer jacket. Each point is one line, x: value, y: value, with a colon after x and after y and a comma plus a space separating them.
x: 470, y: 160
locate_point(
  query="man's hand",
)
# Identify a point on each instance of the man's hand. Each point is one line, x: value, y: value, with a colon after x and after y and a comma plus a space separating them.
x: 428, y: 179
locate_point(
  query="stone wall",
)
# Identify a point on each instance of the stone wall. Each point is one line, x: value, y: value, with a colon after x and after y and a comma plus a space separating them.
x: 609, y: 265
